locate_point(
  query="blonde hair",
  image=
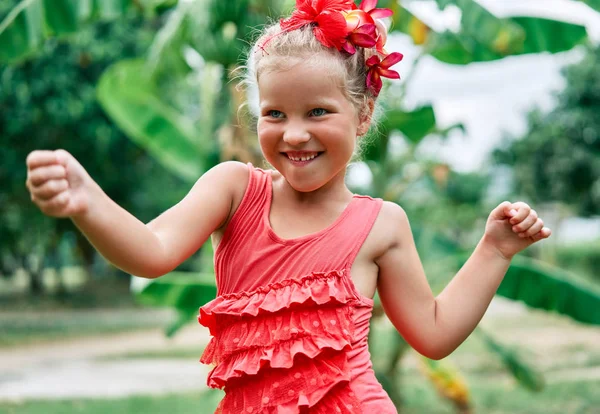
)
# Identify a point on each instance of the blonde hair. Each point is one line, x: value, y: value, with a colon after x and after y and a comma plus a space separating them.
x: 277, y: 50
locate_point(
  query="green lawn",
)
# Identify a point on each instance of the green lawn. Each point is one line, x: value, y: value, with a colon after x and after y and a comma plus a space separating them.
x: 34, y: 327
x: 491, y: 396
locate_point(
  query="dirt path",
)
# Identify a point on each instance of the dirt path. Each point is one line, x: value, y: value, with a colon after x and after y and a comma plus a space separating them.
x: 565, y: 350
x: 79, y: 367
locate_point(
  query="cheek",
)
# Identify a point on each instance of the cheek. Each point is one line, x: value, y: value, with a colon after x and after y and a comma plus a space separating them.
x: 267, y: 137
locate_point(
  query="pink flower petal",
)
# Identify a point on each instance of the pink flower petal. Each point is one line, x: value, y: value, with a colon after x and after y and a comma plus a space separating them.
x: 391, y: 60
x: 349, y: 47
x: 368, y: 5
x: 372, y: 61
x: 381, y: 13
x: 368, y: 29
x: 392, y: 74
x: 362, y: 40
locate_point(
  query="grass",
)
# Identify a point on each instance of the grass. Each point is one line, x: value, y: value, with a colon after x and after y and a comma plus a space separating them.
x: 497, y: 395
x: 34, y: 327
x: 192, y: 353
x: 548, y: 342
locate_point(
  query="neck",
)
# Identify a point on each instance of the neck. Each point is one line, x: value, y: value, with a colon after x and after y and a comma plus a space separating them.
x: 334, y: 191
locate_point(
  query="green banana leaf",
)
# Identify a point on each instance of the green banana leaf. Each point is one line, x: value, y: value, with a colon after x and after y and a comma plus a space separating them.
x: 129, y: 97
x: 484, y: 37
x: 185, y: 292
x: 528, y: 376
x: 415, y: 125
x: 542, y: 286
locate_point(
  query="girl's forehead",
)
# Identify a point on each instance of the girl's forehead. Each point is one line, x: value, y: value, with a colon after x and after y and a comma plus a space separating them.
x: 309, y: 74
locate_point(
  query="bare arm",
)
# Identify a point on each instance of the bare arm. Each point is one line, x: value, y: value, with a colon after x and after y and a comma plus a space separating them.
x: 62, y: 188
x: 436, y: 326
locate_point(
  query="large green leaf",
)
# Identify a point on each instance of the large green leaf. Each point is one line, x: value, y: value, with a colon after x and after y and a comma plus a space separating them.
x: 525, y: 373
x: 128, y: 96
x: 22, y: 31
x: 484, y: 37
x: 183, y: 291
x: 542, y: 286
x: 415, y: 125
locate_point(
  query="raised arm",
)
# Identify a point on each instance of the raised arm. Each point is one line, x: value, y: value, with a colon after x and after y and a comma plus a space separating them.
x: 436, y: 326
x: 61, y: 187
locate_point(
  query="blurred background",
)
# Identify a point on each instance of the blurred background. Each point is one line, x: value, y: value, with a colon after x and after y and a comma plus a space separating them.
x: 499, y: 100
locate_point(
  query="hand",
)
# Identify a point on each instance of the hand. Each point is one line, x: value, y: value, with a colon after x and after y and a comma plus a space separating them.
x: 58, y: 184
x: 512, y: 227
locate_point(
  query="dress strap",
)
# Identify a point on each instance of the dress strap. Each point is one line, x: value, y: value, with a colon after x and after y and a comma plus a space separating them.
x: 359, y: 223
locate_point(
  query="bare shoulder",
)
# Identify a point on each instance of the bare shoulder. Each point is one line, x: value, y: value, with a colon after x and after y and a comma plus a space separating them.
x: 391, y: 224
x: 230, y: 177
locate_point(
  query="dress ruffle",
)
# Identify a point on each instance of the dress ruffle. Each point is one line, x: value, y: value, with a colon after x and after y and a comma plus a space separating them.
x: 282, y: 348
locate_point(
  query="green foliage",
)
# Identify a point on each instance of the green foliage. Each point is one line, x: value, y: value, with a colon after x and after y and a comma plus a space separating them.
x: 582, y: 258
x: 127, y: 94
x: 50, y: 102
x: 527, y: 375
x: 484, y: 37
x: 542, y: 286
x: 558, y: 159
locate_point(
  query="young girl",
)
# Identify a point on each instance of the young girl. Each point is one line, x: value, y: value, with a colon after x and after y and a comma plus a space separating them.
x: 298, y: 256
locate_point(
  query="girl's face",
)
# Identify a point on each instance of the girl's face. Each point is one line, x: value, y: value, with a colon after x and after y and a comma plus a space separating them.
x: 307, y: 128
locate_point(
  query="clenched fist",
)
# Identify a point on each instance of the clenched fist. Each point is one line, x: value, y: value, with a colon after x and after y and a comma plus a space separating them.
x: 58, y: 184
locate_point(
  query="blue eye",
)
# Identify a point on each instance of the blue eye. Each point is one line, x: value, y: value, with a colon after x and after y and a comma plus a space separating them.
x: 318, y: 112
x: 275, y: 114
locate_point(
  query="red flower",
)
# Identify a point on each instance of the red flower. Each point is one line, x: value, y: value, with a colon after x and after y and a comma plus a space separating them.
x: 330, y: 25
x: 368, y: 6
x: 379, y: 68
x: 364, y: 36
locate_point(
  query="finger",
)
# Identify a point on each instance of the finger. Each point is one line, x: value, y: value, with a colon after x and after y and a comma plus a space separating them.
x: 63, y: 156
x: 40, y: 175
x: 526, y: 223
x: 503, y: 211
x: 523, y: 210
x: 39, y: 158
x: 54, y: 206
x: 534, y: 229
x: 542, y: 234
x: 50, y: 189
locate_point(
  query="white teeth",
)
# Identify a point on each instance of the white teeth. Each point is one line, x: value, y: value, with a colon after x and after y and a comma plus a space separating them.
x: 306, y: 158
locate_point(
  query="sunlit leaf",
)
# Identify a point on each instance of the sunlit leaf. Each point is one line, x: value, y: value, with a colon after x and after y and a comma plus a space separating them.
x: 525, y: 373
x: 127, y: 94
x: 184, y: 291
x: 484, y: 37
x: 22, y: 31
x: 415, y: 125
x: 542, y: 286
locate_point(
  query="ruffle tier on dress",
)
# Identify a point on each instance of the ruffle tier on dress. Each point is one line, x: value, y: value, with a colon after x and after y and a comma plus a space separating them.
x: 282, y: 348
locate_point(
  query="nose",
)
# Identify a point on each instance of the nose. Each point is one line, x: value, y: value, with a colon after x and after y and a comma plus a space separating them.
x: 296, y: 134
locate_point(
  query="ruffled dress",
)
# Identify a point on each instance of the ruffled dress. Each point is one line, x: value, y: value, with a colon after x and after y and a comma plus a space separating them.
x: 289, y: 329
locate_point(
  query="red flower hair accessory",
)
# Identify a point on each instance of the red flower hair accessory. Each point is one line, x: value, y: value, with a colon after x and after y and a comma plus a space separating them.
x: 340, y: 24
x: 329, y: 24
x: 379, y: 68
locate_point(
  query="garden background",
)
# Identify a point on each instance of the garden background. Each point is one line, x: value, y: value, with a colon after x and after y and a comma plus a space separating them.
x: 499, y: 100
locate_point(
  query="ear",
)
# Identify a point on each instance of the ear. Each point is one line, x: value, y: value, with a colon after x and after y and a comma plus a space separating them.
x: 365, y: 117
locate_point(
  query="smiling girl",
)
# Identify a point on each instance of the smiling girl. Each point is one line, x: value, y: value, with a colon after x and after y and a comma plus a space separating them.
x: 298, y: 256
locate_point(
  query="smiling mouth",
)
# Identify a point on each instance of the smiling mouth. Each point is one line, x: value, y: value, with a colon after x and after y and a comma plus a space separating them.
x: 300, y: 157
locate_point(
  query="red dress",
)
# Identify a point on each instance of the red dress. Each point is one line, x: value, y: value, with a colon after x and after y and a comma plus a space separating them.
x: 289, y: 327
